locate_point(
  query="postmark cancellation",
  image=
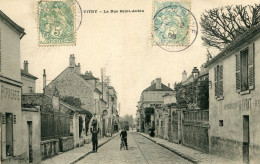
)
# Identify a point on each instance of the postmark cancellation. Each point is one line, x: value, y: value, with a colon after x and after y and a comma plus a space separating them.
x: 171, y: 23
x: 56, y: 22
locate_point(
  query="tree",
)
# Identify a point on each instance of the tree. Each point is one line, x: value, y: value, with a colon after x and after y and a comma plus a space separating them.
x: 220, y: 26
x: 180, y: 94
x: 148, y: 112
x: 127, y: 120
x: 203, y: 94
x: 76, y: 102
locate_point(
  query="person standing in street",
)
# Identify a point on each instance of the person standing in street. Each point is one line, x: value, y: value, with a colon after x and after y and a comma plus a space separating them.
x: 123, y: 136
x: 94, y: 131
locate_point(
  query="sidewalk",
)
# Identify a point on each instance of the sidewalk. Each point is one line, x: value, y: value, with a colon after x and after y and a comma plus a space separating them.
x: 76, y: 154
x: 190, y: 154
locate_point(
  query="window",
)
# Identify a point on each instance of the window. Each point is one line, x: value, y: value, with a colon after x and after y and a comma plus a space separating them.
x: 245, y: 70
x: 30, y: 89
x: 221, y: 123
x: 218, y: 71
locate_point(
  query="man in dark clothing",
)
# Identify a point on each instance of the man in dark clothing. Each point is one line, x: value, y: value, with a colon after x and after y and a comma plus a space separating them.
x: 123, y: 136
x: 94, y: 130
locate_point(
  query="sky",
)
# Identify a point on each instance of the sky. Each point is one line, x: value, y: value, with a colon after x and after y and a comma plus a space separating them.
x: 121, y: 42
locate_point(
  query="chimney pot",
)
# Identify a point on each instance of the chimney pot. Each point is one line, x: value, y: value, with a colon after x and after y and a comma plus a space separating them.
x: 72, y: 62
x: 44, y: 78
x: 158, y: 82
x: 25, y: 66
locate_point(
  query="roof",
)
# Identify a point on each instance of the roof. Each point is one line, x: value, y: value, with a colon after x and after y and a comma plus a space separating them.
x: 24, y: 73
x: 153, y: 88
x: 88, y: 77
x: 249, y: 34
x: 68, y: 68
x: 15, y: 26
x: 97, y: 90
x: 203, y: 74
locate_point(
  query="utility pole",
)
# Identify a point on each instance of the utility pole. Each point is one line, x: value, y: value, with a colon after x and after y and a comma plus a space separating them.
x: 102, y: 82
x: 118, y: 108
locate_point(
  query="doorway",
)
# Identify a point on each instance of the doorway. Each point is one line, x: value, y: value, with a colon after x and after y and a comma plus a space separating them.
x: 246, y: 139
x: 29, y: 126
x: 9, y: 134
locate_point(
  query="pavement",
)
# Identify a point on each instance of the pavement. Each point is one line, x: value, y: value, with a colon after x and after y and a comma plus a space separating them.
x: 76, y: 154
x: 188, y: 153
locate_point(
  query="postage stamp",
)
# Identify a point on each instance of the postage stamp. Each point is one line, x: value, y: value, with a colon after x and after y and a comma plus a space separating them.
x: 56, y: 22
x: 171, y: 23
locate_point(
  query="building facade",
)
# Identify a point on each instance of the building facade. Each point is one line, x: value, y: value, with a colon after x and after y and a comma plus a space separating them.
x: 71, y: 82
x: 13, y: 147
x: 28, y: 80
x: 234, y: 99
x: 151, y: 97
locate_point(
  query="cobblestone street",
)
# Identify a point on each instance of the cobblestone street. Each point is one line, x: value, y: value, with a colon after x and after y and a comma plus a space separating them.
x: 141, y: 150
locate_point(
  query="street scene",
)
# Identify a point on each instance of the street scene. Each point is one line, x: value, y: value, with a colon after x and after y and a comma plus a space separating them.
x: 138, y: 82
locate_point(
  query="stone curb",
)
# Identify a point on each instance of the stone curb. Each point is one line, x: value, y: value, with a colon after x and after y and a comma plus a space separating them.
x: 83, y: 156
x: 191, y: 159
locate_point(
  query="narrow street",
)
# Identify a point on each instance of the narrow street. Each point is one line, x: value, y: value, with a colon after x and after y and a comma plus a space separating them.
x: 141, y: 150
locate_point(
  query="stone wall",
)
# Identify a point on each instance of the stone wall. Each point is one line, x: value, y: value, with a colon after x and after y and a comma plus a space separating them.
x: 254, y: 152
x: 66, y: 143
x: 49, y: 148
x: 233, y: 150
x: 196, y: 136
x: 227, y: 148
x: 173, y: 135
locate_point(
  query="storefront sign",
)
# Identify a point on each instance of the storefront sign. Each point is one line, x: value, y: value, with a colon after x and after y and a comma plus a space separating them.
x: 8, y: 93
x: 242, y: 105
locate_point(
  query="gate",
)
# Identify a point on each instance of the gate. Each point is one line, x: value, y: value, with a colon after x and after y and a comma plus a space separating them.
x: 195, y: 129
x: 54, y: 125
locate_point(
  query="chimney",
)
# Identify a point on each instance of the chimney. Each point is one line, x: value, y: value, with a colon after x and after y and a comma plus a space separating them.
x: 25, y: 66
x: 184, y: 76
x: 72, y: 61
x: 88, y: 73
x: 77, y: 69
x: 169, y: 85
x: 202, y: 68
x: 158, y: 82
x: 44, y: 79
x: 152, y: 82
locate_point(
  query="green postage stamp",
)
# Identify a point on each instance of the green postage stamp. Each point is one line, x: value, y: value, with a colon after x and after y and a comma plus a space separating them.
x: 56, y: 22
x: 171, y: 23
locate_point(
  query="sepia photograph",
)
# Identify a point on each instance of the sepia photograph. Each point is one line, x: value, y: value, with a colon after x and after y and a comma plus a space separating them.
x: 129, y: 81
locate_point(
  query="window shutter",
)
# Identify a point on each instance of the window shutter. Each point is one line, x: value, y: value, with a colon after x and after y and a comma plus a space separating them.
x: 238, y: 74
x: 220, y: 80
x: 251, y: 66
x: 3, y: 118
x: 216, y: 81
x: 0, y: 51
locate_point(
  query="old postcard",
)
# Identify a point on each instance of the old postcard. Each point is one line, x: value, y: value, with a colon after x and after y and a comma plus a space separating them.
x: 129, y: 81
